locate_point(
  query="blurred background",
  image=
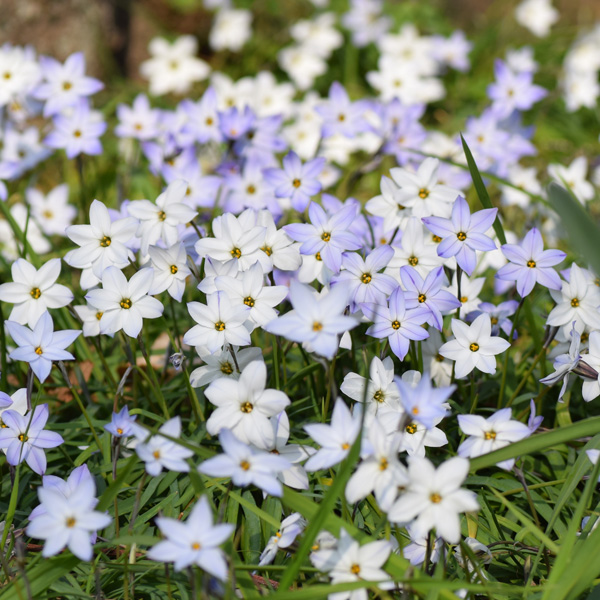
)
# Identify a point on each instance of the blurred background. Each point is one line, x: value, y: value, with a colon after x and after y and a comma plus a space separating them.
x: 114, y: 34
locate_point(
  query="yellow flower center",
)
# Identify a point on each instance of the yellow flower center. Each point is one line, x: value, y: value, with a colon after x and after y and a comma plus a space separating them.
x: 119, y: 431
x: 366, y: 278
x: 249, y: 301
x: 296, y: 183
x: 196, y: 546
x: 267, y: 250
x: 227, y: 368
x: 77, y: 133
x: 67, y: 85
x: 383, y: 464
x: 421, y: 297
x: 317, y: 326
x: 23, y: 437
x: 156, y: 454
x: 39, y: 351
x: 435, y: 498
x: 379, y: 396
x: 575, y: 302
x: 126, y: 303
x: 355, y: 569
x: 395, y: 324
x: 423, y: 193
x: 48, y: 214
x: 105, y: 241
x: 474, y: 347
x: 489, y: 435
x: 462, y: 236
x: 436, y: 238
x: 413, y: 261
x: 464, y: 299
x: 247, y: 407
x: 99, y: 315
x: 70, y: 522
x: 236, y: 252
x: 220, y: 326
x: 531, y: 263
x: 245, y: 465
x: 174, y: 269
x: 345, y: 446
x: 494, y: 320
x: 439, y: 357
x: 318, y: 256
x: 412, y: 428
x: 35, y: 293
x: 326, y: 236
x: 251, y: 189
x: 162, y: 215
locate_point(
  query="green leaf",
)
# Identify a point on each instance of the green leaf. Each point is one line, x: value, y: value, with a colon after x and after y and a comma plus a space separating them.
x: 584, y: 234
x: 481, y: 190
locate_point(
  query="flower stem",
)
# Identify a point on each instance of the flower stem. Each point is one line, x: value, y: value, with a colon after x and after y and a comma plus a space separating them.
x: 505, y: 366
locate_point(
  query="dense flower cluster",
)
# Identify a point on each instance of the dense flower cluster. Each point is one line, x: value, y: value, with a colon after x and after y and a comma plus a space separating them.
x: 262, y: 273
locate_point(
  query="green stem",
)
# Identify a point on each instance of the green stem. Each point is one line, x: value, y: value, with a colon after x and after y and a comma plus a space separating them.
x: 505, y: 366
x: 12, y: 507
x: 540, y: 355
x: 156, y: 384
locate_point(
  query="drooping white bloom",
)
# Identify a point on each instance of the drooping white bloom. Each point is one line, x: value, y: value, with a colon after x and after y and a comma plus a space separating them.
x: 474, y: 346
x: 68, y: 519
x: 195, y: 542
x: 33, y: 291
x: 487, y: 435
x: 245, y: 465
x: 125, y: 304
x: 245, y: 406
x: 291, y: 527
x: 335, y: 439
x: 159, y: 452
x: 434, y: 498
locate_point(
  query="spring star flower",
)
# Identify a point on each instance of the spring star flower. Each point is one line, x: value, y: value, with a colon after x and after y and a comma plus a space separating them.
x: 103, y: 243
x: 159, y: 221
x: 244, y: 406
x: 193, y: 542
x: 245, y: 465
x: 463, y: 233
x: 159, y: 452
x: 41, y: 345
x: 397, y: 323
x: 335, y: 439
x: 487, y: 435
x: 316, y: 320
x: 125, y: 304
x: 68, y: 519
x: 219, y: 322
x: 33, y: 291
x: 434, y: 498
x: 474, y: 346
x: 326, y: 236
x: 530, y: 264
x: 24, y: 438
x: 296, y: 181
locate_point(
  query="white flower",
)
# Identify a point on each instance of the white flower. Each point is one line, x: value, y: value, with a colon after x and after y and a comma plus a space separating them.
x: 381, y: 395
x: 195, y: 542
x: 221, y: 364
x: 173, y: 67
x: 380, y: 470
x: 487, y: 435
x: 103, y: 244
x: 170, y: 270
x: 125, y: 304
x: 52, y: 211
x: 159, y: 452
x: 230, y: 29
x: 537, y: 16
x: 291, y: 527
x: 33, y: 291
x: 245, y: 465
x: 245, y: 406
x: 248, y: 289
x: 68, y: 520
x: 160, y: 220
x: 474, y: 346
x: 219, y: 323
x: 434, y: 498
x: 573, y: 177
x: 358, y: 563
x: 41, y: 345
x: 335, y: 439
